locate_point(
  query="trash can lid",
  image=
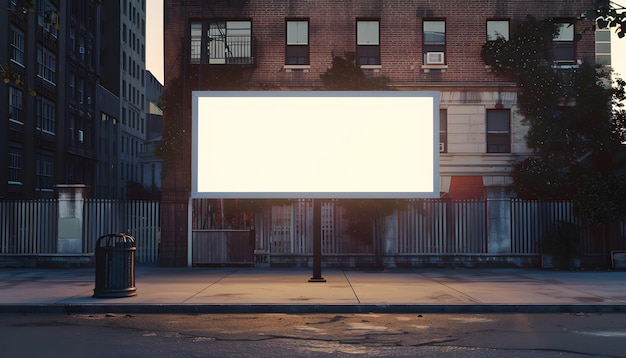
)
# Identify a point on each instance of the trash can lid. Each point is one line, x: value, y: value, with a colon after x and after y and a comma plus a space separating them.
x: 114, y: 240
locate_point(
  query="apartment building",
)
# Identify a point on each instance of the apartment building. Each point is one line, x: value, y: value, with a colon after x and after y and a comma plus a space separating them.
x: 123, y: 58
x: 49, y: 59
x: 417, y: 45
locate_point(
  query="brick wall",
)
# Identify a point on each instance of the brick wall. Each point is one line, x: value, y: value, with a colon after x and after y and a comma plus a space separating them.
x: 332, y: 30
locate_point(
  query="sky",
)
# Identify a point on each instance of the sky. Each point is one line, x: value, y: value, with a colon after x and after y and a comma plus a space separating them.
x: 154, y: 38
x: 154, y: 42
x: 618, y: 50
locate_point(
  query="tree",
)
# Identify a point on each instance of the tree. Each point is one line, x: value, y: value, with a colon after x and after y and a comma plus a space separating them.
x: 345, y: 75
x: 608, y: 14
x: 576, y: 123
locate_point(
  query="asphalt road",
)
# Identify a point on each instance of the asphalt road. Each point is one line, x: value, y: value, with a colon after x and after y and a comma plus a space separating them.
x: 319, y: 335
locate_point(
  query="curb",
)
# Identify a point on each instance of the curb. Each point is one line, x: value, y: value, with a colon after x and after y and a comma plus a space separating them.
x: 304, y: 309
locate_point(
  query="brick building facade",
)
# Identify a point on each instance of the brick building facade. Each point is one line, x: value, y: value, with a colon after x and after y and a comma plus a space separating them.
x: 418, y: 45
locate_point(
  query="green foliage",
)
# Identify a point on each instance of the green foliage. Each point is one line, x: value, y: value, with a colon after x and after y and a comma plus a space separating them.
x: 601, y: 197
x: 607, y: 14
x: 576, y: 123
x: 535, y: 178
x: 345, y: 75
x: 529, y: 47
x: 562, y: 242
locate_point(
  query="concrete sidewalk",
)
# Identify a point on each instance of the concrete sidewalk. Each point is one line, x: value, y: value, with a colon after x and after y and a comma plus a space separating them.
x: 253, y: 290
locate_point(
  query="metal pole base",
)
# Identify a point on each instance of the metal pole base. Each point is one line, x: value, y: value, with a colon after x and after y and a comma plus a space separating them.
x: 317, y: 279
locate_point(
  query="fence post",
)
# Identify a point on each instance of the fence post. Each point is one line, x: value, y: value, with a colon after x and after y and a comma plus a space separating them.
x: 70, y: 228
x: 498, y: 219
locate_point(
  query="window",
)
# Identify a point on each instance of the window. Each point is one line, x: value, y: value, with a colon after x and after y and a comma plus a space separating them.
x: 48, y: 17
x: 46, y: 115
x: 603, y: 46
x: 196, y: 42
x: 17, y: 46
x: 443, y: 130
x: 368, y: 42
x: 72, y: 40
x: 44, y: 172
x: 497, y: 29
x: 16, y: 166
x: 297, y: 47
x: 15, y: 105
x: 498, y: 131
x: 229, y: 42
x: 563, y: 44
x: 434, y: 42
x: 72, y: 85
x: 81, y: 48
x: 81, y: 91
x: 46, y: 65
x: 221, y: 42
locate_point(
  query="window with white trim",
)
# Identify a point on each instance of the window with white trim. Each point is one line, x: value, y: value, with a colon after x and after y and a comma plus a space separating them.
x: 15, y: 105
x: 44, y: 172
x: 17, y: 46
x: 48, y: 17
x: 603, y: 46
x: 368, y: 42
x: 46, y: 115
x: 46, y: 65
x: 297, y: 45
x: 16, y: 166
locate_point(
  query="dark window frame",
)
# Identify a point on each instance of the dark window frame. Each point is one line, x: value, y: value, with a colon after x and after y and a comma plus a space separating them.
x: 297, y: 54
x: 487, y: 34
x: 367, y: 54
x: 564, y: 51
x: 429, y: 46
x: 443, y: 130
x: 498, y: 140
x: 213, y: 45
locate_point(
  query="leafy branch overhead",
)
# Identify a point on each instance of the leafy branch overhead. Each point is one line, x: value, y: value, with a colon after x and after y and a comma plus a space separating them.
x: 608, y: 14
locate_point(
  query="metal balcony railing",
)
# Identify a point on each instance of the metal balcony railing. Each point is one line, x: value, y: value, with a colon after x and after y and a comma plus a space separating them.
x: 224, y: 50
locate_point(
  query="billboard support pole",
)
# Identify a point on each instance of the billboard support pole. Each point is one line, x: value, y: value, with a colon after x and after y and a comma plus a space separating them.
x: 317, y: 242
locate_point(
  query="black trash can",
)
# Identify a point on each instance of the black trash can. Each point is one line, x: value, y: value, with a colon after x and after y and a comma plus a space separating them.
x: 115, y: 266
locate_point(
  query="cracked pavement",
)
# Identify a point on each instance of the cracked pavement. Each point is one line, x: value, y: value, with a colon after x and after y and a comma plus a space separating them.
x: 288, y: 335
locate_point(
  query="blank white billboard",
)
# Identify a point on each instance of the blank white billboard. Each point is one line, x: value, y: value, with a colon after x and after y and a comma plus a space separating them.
x: 320, y: 144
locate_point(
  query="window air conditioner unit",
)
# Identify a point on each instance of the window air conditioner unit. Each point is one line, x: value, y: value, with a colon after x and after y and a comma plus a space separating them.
x: 435, y: 58
x: 442, y: 147
x: 81, y: 136
x: 81, y: 50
